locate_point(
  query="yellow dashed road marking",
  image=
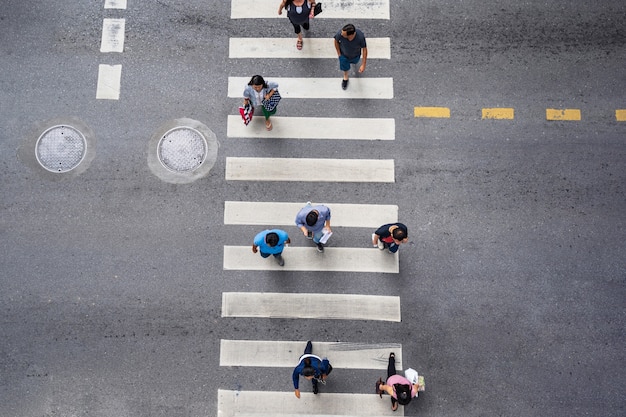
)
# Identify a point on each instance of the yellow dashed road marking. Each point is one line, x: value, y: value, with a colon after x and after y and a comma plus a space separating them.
x: 438, y: 112
x: 620, y: 115
x: 498, y: 113
x: 563, y: 114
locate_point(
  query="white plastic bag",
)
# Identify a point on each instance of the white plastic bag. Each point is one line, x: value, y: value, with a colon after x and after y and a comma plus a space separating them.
x: 411, y: 375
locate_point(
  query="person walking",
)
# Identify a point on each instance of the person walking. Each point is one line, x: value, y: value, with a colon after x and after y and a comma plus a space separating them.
x: 314, y: 222
x: 299, y: 12
x: 350, y: 45
x: 311, y: 367
x: 390, y: 236
x: 271, y: 242
x: 400, y: 388
x: 256, y: 91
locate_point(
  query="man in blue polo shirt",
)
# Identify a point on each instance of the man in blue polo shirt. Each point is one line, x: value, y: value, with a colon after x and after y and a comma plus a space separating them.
x: 271, y: 242
x: 350, y: 43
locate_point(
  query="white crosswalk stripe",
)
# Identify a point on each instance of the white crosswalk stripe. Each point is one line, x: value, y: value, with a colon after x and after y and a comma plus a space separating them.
x: 309, y: 169
x: 309, y: 259
x: 277, y: 213
x: 313, y: 306
x: 377, y: 48
x: 285, y: 354
x: 332, y: 9
x: 360, y: 87
x: 315, y: 128
x: 285, y: 404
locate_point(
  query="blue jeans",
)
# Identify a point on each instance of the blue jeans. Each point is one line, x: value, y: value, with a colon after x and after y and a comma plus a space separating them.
x: 344, y: 62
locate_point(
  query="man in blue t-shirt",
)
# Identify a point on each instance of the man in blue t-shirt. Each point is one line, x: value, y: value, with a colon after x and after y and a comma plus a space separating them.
x: 271, y: 242
x: 350, y: 44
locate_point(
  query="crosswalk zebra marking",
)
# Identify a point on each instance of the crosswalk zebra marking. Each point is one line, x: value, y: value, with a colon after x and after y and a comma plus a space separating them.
x: 284, y: 354
x: 313, y: 48
x: 359, y: 87
x: 276, y: 213
x: 333, y: 9
x: 285, y: 404
x: 309, y: 259
x: 311, y: 305
x: 309, y: 169
x: 315, y: 128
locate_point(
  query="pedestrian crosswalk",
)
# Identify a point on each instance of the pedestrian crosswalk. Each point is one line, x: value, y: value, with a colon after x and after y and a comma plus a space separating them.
x: 357, y: 259
x: 315, y: 128
x: 312, y: 306
x: 321, y: 88
x: 313, y: 48
x: 309, y: 169
x: 333, y: 9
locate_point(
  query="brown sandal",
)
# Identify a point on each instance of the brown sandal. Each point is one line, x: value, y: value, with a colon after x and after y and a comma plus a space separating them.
x: 378, y: 390
x: 299, y: 44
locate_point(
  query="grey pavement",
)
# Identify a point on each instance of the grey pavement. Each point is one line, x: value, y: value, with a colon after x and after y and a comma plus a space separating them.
x: 513, y: 284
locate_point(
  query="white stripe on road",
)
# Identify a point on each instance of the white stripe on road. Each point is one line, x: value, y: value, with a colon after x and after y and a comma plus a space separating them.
x: 377, y: 48
x: 332, y: 9
x: 284, y: 354
x: 312, y: 306
x: 358, y: 87
x: 309, y: 169
x: 115, y: 4
x: 285, y: 404
x: 109, y: 79
x: 112, y: 35
x: 313, y: 128
x: 309, y: 259
x: 284, y: 214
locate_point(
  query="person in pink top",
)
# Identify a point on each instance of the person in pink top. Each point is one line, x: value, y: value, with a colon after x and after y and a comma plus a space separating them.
x: 400, y: 388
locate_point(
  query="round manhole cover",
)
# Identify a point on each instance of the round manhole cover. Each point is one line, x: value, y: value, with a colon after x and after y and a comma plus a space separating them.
x: 182, y: 149
x: 60, y: 148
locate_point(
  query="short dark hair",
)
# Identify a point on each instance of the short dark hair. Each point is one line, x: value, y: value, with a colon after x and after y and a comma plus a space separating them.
x: 271, y: 239
x: 398, y: 234
x: 308, y: 371
x: 311, y: 218
x: 349, y: 29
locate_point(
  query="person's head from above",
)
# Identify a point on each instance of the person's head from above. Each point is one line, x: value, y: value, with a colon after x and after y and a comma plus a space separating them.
x: 271, y: 239
x: 258, y: 83
x: 399, y: 236
x: 312, y: 217
x: 348, y: 31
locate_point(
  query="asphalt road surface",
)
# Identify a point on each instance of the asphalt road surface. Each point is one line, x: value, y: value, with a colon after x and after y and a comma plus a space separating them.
x: 511, y: 290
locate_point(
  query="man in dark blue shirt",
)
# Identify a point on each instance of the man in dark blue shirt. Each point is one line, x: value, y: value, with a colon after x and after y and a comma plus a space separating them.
x: 350, y: 44
x: 312, y: 368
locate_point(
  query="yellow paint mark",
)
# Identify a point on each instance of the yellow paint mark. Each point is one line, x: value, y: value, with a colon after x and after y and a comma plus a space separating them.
x: 498, y: 113
x: 620, y: 115
x: 563, y: 114
x: 439, y: 112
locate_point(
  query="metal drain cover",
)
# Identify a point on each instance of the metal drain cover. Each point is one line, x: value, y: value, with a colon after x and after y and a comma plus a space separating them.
x: 182, y: 149
x: 60, y: 148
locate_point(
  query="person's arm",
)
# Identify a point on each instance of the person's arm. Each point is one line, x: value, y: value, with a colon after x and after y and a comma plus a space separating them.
x: 364, y: 59
x: 375, y: 238
x: 338, y: 48
x: 386, y: 388
x: 312, y: 12
x: 296, y: 380
x: 282, y: 6
x: 254, y: 248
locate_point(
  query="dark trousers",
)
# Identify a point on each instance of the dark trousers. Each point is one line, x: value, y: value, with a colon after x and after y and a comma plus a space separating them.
x: 391, y: 370
x: 308, y: 350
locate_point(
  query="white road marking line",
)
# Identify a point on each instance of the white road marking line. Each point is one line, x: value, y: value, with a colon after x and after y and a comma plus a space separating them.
x: 115, y: 4
x: 109, y: 79
x: 315, y: 128
x: 309, y: 259
x: 309, y: 305
x: 113, y: 35
x: 284, y: 354
x: 358, y: 87
x: 377, y: 48
x: 284, y: 214
x: 309, y: 169
x: 285, y: 404
x: 332, y: 9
